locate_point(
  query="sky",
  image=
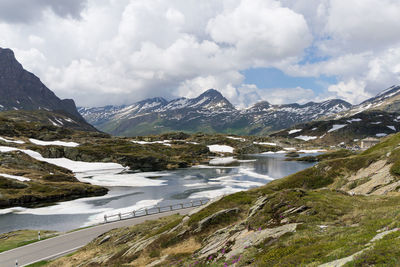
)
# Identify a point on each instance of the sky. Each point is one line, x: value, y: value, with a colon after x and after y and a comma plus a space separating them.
x: 102, y: 52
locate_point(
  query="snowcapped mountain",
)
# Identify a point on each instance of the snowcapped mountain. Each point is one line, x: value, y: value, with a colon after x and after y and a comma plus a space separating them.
x: 345, y: 130
x: 283, y: 116
x: 388, y: 100
x: 376, y: 117
x: 209, y: 112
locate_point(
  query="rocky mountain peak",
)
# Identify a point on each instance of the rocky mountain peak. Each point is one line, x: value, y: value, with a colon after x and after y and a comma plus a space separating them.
x: 22, y: 90
x: 260, y: 106
x: 212, y: 93
x: 212, y: 99
x: 159, y: 100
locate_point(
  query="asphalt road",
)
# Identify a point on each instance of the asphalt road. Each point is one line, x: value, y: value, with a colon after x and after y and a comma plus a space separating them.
x: 64, y: 244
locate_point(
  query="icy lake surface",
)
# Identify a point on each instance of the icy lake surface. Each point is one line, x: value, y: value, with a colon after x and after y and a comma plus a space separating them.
x: 149, y: 189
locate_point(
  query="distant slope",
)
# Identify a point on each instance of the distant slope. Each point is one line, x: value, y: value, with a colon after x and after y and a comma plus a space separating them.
x: 388, y: 100
x: 22, y: 90
x: 59, y: 119
x: 210, y: 112
x: 349, y: 130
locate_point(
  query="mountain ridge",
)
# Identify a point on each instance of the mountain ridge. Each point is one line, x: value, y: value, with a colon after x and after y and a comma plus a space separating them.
x: 209, y: 112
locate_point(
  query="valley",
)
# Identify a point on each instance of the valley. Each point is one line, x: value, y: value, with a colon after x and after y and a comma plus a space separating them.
x: 342, y: 211
x: 287, y: 184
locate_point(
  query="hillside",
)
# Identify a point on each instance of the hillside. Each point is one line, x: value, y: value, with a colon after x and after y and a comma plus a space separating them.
x: 210, y: 112
x: 388, y: 100
x: 345, y: 130
x: 22, y: 90
x: 341, y: 212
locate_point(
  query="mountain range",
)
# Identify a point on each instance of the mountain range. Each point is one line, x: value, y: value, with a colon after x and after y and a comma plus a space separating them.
x: 210, y: 112
x: 378, y: 116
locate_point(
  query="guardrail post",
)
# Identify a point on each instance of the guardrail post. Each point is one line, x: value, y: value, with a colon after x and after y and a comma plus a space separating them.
x: 170, y: 207
x: 105, y: 218
x: 119, y: 215
x: 38, y: 236
x: 145, y: 210
x: 181, y: 206
x: 159, y: 209
x: 16, y: 263
x: 191, y: 203
x: 134, y: 213
x: 201, y: 202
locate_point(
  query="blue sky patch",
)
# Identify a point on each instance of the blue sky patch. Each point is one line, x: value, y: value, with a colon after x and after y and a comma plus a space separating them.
x: 274, y: 78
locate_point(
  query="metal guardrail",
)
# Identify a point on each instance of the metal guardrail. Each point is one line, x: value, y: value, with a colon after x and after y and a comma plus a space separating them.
x: 153, y: 210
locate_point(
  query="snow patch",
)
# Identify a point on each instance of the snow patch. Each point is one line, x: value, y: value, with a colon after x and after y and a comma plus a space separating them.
x: 295, y: 131
x: 311, y: 150
x: 220, y: 148
x: 381, y: 134
x: 53, y: 143
x: 392, y: 128
x: 75, y: 166
x: 11, y: 141
x: 116, y: 178
x: 305, y: 137
x: 277, y: 152
x: 223, y: 161
x: 337, y: 127
x: 354, y: 120
x: 264, y: 143
x: 19, y: 178
x: 236, y: 138
x: 55, y: 124
x: 164, y: 142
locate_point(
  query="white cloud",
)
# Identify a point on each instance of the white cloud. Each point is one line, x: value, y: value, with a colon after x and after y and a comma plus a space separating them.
x: 363, y: 24
x: 20, y: 11
x: 260, y: 31
x: 123, y: 51
x: 346, y: 90
x: 113, y: 52
x: 288, y: 95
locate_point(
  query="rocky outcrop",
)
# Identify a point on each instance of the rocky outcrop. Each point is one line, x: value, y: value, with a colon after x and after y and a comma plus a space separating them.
x: 258, y: 205
x: 375, y: 179
x: 215, y: 218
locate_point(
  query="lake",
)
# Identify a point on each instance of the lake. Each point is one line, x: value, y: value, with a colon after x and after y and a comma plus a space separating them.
x: 131, y: 191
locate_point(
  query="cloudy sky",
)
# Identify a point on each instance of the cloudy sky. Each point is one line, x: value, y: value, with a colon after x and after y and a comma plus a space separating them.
x: 102, y: 52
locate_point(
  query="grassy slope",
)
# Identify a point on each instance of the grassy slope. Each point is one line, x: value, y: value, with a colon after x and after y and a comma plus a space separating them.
x: 21, y: 238
x: 332, y: 224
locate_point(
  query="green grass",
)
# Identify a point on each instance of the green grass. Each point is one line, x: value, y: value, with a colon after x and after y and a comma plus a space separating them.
x: 240, y: 200
x: 386, y: 252
x: 39, y: 263
x: 21, y: 238
x: 167, y: 226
